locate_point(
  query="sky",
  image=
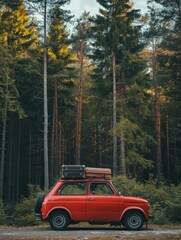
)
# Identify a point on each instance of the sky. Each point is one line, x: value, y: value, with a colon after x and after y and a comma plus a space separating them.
x: 77, y: 7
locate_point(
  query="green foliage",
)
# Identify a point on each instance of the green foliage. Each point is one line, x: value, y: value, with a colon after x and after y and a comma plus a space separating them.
x: 173, y: 205
x: 33, y: 190
x: 24, y: 214
x: 3, y: 217
x: 19, y: 33
x: 138, y: 143
x: 165, y: 201
x: 9, y: 96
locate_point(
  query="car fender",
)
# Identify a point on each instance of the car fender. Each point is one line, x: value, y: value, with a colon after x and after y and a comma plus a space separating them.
x: 132, y: 208
x: 56, y: 208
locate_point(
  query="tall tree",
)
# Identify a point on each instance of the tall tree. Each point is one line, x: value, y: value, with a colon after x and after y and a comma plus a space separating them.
x: 114, y: 30
x: 9, y: 102
x: 17, y: 35
x: 153, y: 37
x: 166, y: 29
x: 46, y: 163
x: 45, y: 5
x: 169, y: 15
x: 61, y: 73
x: 80, y: 45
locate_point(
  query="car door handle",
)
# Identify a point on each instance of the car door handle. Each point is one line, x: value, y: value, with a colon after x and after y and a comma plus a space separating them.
x: 90, y: 198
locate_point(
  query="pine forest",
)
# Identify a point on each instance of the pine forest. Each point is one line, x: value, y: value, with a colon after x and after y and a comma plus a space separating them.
x: 100, y: 90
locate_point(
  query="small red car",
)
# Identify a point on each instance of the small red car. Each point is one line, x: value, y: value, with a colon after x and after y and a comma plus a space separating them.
x: 93, y: 200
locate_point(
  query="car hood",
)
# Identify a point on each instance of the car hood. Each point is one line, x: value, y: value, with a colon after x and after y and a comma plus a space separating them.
x: 133, y: 199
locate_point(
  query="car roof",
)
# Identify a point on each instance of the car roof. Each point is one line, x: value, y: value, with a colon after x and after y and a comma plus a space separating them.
x: 85, y: 180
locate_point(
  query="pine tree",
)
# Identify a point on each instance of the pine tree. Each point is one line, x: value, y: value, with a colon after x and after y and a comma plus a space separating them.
x: 9, y: 103
x: 18, y: 35
x: 60, y: 72
x: 153, y: 38
x: 117, y: 45
x: 168, y: 16
x: 80, y: 47
x: 45, y: 6
x: 18, y: 32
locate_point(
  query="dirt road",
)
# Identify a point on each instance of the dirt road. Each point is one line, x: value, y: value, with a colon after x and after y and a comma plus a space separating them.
x: 85, y: 233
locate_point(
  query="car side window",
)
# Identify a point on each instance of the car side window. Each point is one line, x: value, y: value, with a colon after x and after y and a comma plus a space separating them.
x: 101, y: 189
x: 73, y: 188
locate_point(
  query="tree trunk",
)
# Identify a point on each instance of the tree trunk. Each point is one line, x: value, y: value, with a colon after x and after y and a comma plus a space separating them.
x: 114, y: 116
x: 168, y: 149
x: 79, y: 108
x: 10, y: 165
x: 46, y: 170
x: 56, y: 132
x: 38, y: 176
x: 158, y: 138
x: 175, y: 151
x: 55, y: 137
x: 52, y: 145
x: 157, y: 112
x: 17, y: 164
x: 60, y: 146
x: 3, y: 147
x: 122, y: 155
x: 122, y: 140
x: 29, y: 159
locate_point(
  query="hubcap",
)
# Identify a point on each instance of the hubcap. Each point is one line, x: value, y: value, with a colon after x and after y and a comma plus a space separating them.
x: 134, y: 221
x: 59, y: 221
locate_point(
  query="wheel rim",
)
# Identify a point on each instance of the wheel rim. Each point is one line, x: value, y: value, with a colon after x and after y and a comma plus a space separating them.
x: 134, y: 221
x: 59, y: 221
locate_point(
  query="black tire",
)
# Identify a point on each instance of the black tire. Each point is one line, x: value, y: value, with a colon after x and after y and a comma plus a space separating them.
x: 39, y: 202
x: 59, y: 220
x: 133, y: 220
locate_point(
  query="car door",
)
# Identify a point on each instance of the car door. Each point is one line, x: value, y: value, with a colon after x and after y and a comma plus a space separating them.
x: 103, y: 204
x: 72, y: 197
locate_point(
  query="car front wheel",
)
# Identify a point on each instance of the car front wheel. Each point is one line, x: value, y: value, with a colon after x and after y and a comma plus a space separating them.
x: 134, y: 220
x: 59, y: 220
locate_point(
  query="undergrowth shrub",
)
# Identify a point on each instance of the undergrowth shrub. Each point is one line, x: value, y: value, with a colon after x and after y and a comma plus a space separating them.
x: 22, y: 213
x: 173, y: 205
x: 165, y: 201
x: 3, y: 216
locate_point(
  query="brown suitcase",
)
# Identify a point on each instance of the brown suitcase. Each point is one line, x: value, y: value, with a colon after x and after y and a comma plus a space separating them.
x: 97, y: 172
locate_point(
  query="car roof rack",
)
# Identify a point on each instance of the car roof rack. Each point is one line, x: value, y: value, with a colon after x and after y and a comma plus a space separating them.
x: 82, y: 172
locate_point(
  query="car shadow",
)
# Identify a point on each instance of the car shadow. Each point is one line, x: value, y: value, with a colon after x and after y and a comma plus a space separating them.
x: 102, y: 228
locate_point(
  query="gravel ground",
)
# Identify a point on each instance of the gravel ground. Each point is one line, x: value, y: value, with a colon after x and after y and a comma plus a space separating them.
x: 85, y: 233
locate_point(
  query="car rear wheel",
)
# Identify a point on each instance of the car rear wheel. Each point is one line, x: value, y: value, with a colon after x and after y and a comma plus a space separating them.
x: 59, y: 220
x: 134, y: 220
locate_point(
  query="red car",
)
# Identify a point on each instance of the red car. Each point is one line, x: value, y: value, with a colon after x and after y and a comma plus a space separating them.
x: 93, y: 200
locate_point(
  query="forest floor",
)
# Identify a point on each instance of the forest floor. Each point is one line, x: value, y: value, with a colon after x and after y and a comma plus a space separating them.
x: 90, y: 233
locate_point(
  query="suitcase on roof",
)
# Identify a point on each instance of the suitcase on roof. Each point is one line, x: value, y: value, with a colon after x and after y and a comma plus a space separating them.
x: 97, y: 172
x: 73, y: 171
